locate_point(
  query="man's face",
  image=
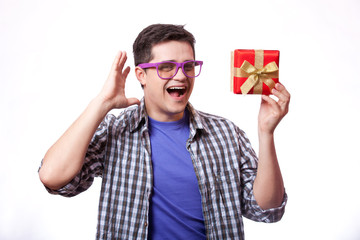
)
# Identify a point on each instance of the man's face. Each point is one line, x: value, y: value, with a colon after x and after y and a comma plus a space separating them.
x: 165, y: 100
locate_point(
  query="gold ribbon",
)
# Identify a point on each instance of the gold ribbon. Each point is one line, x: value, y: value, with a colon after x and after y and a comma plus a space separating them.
x: 258, y: 74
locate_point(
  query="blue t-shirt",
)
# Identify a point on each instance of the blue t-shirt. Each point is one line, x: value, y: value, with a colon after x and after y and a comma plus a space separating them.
x: 175, y: 208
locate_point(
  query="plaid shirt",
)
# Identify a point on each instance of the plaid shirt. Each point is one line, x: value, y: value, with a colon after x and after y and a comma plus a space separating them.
x: 224, y: 162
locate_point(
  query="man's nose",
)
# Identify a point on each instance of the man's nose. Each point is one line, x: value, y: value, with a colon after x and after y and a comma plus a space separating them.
x: 180, y: 75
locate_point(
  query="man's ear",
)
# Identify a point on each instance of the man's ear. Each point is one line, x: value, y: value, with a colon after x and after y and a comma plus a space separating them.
x: 140, y: 75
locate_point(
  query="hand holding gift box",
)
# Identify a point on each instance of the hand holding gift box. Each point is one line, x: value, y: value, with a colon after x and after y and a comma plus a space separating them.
x: 254, y: 71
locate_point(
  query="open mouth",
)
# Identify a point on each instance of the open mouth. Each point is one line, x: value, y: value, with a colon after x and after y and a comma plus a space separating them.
x: 176, y: 91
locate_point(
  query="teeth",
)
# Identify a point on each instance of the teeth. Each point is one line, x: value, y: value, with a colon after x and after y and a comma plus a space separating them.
x: 176, y: 88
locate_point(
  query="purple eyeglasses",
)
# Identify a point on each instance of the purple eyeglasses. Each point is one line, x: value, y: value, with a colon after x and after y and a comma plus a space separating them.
x: 167, y: 70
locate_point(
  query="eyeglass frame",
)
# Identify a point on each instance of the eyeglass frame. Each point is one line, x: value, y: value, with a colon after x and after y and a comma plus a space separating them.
x: 178, y: 65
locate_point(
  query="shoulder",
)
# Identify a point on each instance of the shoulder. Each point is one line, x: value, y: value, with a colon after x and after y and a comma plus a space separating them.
x: 210, y: 119
x: 224, y: 130
x: 212, y: 122
x: 129, y: 118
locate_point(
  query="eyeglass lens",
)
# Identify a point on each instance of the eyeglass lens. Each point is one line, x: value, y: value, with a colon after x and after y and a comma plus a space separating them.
x: 168, y: 69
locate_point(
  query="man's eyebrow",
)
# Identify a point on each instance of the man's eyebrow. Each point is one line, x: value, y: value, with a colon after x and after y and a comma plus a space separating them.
x: 177, y: 61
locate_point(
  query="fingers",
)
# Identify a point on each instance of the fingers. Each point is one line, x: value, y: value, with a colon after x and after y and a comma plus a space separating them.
x: 273, y: 110
x: 283, y: 95
x: 119, y: 61
x: 116, y: 61
x: 274, y: 105
x: 282, y: 104
x: 118, y: 74
x: 281, y: 92
x: 282, y: 88
x: 122, y: 60
x: 126, y: 72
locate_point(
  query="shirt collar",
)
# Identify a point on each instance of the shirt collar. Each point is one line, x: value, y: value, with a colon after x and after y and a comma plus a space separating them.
x: 139, y: 117
x: 196, y: 121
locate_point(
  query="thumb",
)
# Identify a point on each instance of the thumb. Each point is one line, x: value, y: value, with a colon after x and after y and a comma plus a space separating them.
x: 126, y: 71
x: 132, y: 101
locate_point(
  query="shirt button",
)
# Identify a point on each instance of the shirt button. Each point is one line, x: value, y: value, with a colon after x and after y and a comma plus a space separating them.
x: 146, y: 224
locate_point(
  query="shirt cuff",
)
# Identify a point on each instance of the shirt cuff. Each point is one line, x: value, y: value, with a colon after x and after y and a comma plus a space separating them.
x: 66, y: 191
x: 269, y: 215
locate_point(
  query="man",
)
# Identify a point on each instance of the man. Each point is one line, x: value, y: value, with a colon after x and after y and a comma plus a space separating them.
x: 169, y: 171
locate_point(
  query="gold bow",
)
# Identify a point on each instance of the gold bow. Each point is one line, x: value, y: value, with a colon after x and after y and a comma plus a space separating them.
x: 257, y: 75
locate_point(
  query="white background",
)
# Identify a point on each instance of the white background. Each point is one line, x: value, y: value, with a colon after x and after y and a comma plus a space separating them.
x: 55, y: 56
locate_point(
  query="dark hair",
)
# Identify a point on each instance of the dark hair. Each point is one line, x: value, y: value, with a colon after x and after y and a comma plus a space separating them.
x: 158, y: 33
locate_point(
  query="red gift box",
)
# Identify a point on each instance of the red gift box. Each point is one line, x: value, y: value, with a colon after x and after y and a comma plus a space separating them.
x: 254, y: 71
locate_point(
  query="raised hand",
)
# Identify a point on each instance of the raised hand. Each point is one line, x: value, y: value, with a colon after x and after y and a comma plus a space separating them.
x: 268, y: 186
x: 272, y: 111
x: 66, y: 157
x: 113, y: 91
